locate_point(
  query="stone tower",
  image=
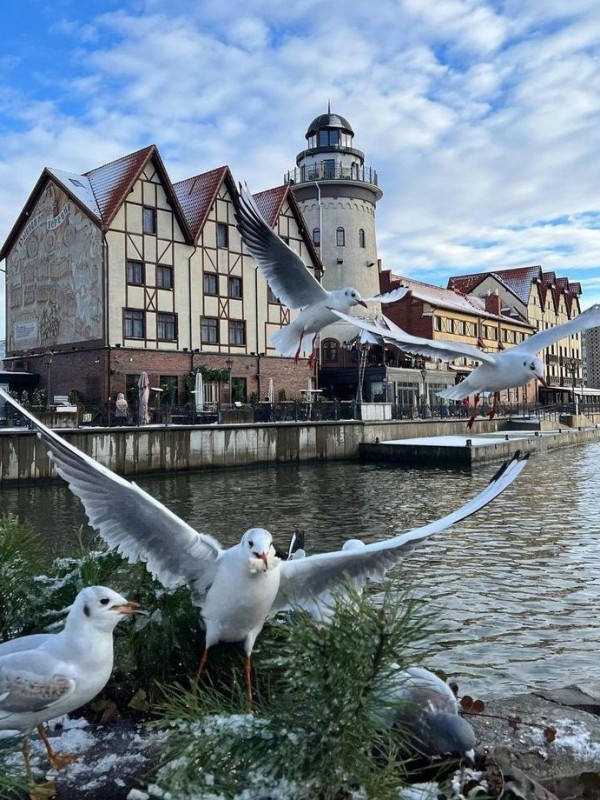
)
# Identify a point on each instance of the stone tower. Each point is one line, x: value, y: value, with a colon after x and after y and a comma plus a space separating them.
x: 338, y: 194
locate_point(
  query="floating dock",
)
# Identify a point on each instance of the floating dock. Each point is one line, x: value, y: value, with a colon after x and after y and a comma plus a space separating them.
x: 466, y: 452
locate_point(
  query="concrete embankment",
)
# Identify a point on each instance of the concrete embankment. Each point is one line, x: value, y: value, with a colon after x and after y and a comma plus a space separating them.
x: 133, y: 451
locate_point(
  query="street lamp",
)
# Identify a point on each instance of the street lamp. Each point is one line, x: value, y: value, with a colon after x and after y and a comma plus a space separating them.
x: 361, y: 349
x: 229, y: 365
x: 48, y: 358
x: 572, y: 365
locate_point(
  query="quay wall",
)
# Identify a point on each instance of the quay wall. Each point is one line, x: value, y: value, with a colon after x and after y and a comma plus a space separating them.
x: 133, y: 451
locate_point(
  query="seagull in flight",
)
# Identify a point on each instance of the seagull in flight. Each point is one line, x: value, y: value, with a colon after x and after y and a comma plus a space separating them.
x: 239, y: 587
x: 293, y: 284
x: 506, y: 369
x: 46, y: 675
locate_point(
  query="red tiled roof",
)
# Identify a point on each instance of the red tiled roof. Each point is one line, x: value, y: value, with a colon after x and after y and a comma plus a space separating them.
x: 270, y: 202
x: 197, y: 196
x: 111, y: 182
x: 517, y: 279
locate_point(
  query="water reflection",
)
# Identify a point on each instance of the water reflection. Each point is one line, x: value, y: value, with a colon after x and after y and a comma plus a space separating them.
x: 516, y: 586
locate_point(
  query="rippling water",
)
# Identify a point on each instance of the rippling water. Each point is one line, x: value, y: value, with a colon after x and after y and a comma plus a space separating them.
x: 517, y: 587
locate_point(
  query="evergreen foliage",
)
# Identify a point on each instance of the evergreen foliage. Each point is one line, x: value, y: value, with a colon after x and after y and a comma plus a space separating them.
x: 314, y: 731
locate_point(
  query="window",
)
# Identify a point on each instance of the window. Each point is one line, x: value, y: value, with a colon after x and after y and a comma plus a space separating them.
x: 164, y: 277
x: 437, y: 323
x: 271, y: 297
x: 340, y: 237
x: 149, y: 220
x: 135, y: 273
x: 222, y: 235
x: 328, y: 168
x: 316, y: 236
x: 234, y: 286
x: 166, y: 327
x: 169, y: 395
x: 209, y: 330
x: 361, y: 237
x: 210, y: 283
x: 329, y: 138
x: 237, y: 332
x: 133, y: 324
x: 239, y: 390
x: 330, y: 350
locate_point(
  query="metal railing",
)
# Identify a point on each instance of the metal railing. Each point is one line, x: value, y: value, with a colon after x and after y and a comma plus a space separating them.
x: 331, y: 172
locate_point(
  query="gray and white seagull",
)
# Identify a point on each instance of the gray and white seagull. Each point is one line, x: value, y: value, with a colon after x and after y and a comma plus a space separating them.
x: 239, y: 587
x: 292, y: 282
x: 507, y: 369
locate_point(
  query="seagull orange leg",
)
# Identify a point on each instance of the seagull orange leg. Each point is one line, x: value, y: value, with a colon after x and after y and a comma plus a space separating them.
x: 312, y: 358
x: 56, y: 761
x: 297, y: 356
x: 202, y: 664
x: 474, y: 414
x: 494, y: 410
x: 248, y: 674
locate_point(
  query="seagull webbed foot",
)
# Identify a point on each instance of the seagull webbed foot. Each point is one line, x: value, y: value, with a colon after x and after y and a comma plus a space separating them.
x: 42, y: 791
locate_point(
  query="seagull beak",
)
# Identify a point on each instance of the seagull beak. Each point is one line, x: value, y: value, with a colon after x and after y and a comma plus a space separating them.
x: 361, y: 303
x: 129, y: 608
x: 542, y: 380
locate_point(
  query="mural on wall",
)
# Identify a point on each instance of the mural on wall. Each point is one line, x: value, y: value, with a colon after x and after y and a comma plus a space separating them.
x: 53, y: 277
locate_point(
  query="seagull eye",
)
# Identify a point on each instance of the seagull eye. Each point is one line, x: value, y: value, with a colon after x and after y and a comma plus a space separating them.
x: 105, y: 601
x: 250, y: 543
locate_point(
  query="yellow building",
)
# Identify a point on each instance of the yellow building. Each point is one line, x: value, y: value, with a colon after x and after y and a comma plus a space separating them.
x: 118, y: 271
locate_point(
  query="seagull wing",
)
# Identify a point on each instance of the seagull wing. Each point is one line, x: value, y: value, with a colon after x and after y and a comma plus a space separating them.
x: 416, y: 345
x: 388, y: 297
x: 542, y: 339
x: 304, y: 579
x: 129, y: 519
x: 285, y: 272
x: 27, y: 683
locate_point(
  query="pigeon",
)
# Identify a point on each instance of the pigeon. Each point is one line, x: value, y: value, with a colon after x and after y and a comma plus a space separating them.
x: 424, y: 707
x: 239, y: 587
x: 292, y: 282
x: 46, y: 675
x: 506, y: 369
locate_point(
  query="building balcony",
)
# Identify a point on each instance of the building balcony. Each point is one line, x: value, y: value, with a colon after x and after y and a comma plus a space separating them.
x: 329, y: 171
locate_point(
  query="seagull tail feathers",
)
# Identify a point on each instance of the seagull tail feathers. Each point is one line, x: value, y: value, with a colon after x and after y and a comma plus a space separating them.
x: 286, y: 340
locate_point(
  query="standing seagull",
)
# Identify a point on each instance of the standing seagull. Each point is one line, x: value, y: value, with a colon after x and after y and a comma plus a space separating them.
x: 238, y: 588
x: 504, y: 370
x: 293, y: 283
x: 46, y: 675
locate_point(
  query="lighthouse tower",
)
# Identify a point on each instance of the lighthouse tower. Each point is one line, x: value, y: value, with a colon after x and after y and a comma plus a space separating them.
x: 338, y: 194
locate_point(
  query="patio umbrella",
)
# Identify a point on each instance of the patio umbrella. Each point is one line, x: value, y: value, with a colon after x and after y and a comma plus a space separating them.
x: 144, y: 387
x: 199, y: 392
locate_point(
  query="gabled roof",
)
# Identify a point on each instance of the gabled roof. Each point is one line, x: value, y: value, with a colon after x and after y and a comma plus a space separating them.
x: 452, y: 300
x: 101, y: 191
x: 270, y: 203
x: 517, y: 279
x: 197, y: 196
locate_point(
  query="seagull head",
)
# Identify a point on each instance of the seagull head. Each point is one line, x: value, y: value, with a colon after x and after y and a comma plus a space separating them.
x: 353, y: 297
x: 257, y: 545
x: 101, y: 607
x: 535, y: 366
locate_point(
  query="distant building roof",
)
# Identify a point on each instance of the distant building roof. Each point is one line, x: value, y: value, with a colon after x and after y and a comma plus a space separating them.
x: 197, y: 195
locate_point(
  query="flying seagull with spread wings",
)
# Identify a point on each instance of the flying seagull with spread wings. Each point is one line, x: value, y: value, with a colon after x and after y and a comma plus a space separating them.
x: 293, y: 284
x: 239, y: 587
x: 506, y: 369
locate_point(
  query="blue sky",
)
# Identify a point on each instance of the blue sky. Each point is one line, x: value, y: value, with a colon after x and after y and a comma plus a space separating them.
x: 482, y: 117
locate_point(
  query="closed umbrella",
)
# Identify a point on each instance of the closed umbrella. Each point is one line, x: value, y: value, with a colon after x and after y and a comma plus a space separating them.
x: 144, y: 387
x: 199, y: 392
x: 271, y: 391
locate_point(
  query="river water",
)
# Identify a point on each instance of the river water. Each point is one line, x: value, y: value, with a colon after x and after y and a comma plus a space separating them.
x: 516, y: 587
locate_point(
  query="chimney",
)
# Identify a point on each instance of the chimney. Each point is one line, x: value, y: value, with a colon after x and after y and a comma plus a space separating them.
x: 493, y: 304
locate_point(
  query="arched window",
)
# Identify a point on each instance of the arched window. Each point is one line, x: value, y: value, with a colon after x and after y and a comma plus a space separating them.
x: 316, y: 237
x: 329, y: 350
x: 340, y: 237
x: 361, y: 237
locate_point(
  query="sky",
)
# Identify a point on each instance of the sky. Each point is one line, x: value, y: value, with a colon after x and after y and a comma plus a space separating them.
x: 481, y: 117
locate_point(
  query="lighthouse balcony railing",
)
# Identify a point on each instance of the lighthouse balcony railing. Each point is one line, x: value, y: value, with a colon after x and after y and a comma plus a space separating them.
x: 331, y: 172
